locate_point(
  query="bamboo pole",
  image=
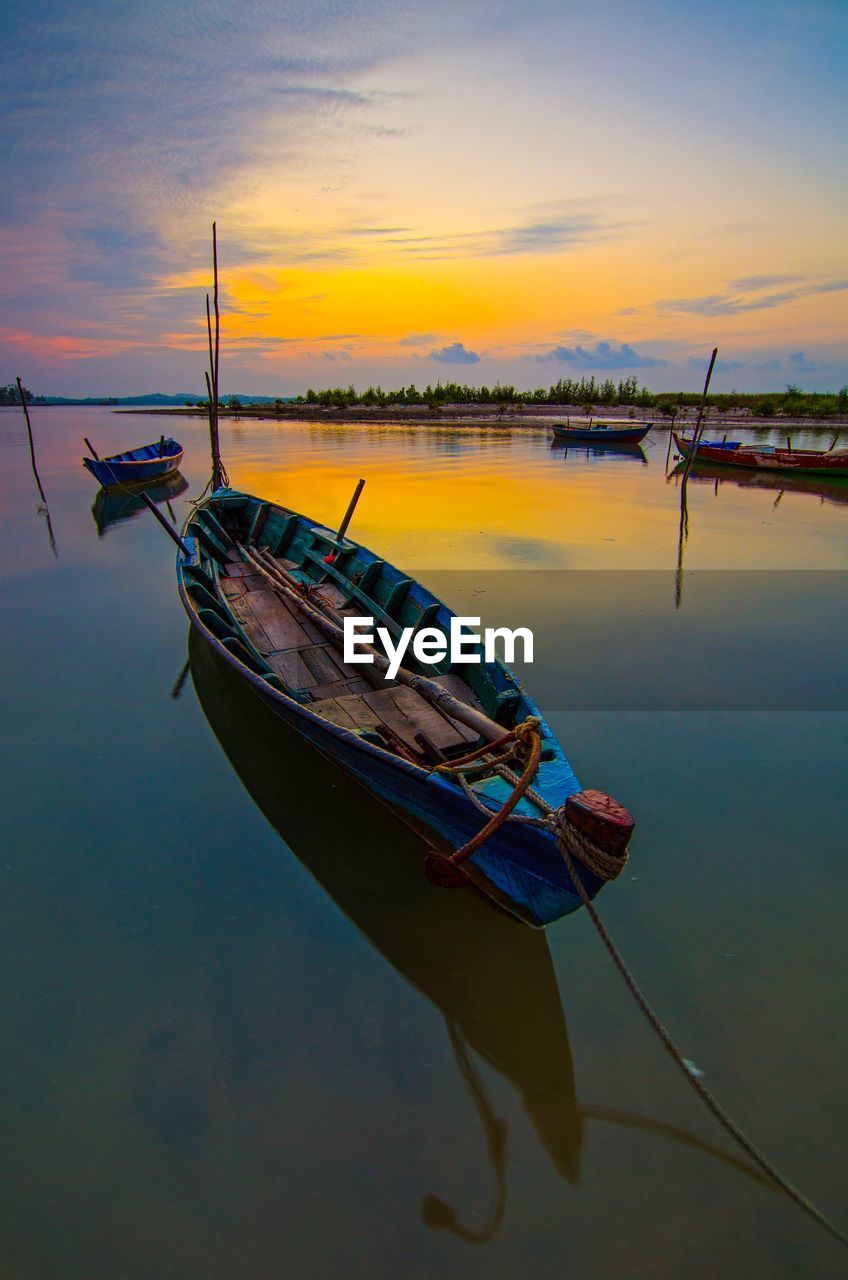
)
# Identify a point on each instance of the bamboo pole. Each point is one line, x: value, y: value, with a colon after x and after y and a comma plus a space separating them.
x: 348, y: 515
x: 693, y: 447
x: 172, y: 534
x: 31, y: 445
x: 218, y: 474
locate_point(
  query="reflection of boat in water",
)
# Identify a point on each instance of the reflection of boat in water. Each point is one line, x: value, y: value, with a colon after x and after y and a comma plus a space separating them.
x: 112, y: 506
x: 828, y: 489
x: 491, y: 978
x: 634, y: 452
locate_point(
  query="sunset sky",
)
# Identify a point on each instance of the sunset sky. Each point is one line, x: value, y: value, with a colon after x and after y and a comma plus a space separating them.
x: 406, y: 192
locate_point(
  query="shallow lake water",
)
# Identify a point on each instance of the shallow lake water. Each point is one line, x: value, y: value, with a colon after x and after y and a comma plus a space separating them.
x: 243, y: 1037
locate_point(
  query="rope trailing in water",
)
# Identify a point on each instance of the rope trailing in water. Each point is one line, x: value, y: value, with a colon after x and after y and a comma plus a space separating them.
x: 570, y: 853
x: 577, y: 850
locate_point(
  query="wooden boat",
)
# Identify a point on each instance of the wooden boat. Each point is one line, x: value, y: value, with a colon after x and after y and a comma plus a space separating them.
x: 137, y: 466
x: 601, y: 432
x: 114, y: 506
x: 405, y: 741
x: 732, y: 453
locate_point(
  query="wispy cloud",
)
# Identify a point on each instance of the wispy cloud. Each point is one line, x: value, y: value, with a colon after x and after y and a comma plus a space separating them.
x: 605, y: 355
x: 748, y: 284
x: 800, y: 363
x: 456, y: 353
x: 417, y: 339
x: 555, y: 231
x: 735, y: 301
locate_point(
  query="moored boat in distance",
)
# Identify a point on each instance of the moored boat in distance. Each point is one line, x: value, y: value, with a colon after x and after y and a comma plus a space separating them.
x: 137, y: 466
x: 267, y: 588
x: 733, y: 453
x: 602, y: 431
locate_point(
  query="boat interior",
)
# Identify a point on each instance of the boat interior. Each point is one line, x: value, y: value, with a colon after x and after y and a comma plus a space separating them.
x: 165, y: 448
x: 249, y: 550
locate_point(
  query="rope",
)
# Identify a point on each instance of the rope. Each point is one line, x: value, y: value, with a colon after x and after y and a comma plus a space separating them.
x: 713, y: 1105
x: 524, y: 734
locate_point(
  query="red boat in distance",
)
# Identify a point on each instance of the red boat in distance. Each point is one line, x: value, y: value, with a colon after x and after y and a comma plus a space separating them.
x: 732, y: 453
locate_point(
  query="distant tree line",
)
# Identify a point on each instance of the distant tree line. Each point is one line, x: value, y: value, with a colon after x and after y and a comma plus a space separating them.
x: 587, y: 392
x: 9, y: 395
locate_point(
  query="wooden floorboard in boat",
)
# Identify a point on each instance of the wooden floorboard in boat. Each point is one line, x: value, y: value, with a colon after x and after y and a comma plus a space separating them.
x: 406, y: 713
x: 281, y: 628
x: 251, y: 626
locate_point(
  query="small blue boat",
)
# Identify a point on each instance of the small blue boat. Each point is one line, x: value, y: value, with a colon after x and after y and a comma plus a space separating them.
x: 601, y: 432
x: 137, y: 466
x: 262, y: 584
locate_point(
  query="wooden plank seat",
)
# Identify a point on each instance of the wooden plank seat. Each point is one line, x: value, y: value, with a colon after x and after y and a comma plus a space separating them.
x: 400, y: 709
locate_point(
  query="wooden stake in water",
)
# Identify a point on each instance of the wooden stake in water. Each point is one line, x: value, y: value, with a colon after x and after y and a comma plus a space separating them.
x: 31, y: 445
x: 693, y: 447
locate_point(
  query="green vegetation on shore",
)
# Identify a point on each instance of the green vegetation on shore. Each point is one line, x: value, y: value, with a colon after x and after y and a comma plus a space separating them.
x: 588, y: 392
x: 9, y: 394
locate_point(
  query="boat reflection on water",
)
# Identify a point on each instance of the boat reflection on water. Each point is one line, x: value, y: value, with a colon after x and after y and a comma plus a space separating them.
x: 634, y: 452
x: 113, y: 506
x: 492, y: 978
x: 825, y: 488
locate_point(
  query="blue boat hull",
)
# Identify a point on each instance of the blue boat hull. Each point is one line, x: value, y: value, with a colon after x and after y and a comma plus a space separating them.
x: 136, y: 466
x: 600, y: 436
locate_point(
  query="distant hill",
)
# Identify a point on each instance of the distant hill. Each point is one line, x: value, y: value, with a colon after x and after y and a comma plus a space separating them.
x: 156, y: 398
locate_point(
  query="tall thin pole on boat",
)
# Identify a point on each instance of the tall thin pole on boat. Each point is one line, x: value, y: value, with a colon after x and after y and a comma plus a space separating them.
x: 212, y: 380
x: 699, y: 424
x: 348, y: 515
x: 31, y: 445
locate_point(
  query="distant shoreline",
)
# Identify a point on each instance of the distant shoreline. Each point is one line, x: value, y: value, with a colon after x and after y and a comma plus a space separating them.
x: 482, y: 416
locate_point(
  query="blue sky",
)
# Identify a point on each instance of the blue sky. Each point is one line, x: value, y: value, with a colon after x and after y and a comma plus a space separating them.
x: 407, y: 192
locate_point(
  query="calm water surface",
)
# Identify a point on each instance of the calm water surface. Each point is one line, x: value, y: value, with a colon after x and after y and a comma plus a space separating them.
x: 242, y: 1037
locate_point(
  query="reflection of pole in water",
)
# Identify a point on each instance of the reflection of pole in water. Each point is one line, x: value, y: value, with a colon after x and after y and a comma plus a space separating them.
x: 682, y: 536
x: 436, y: 1213
x: 181, y: 679
x: 44, y: 510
